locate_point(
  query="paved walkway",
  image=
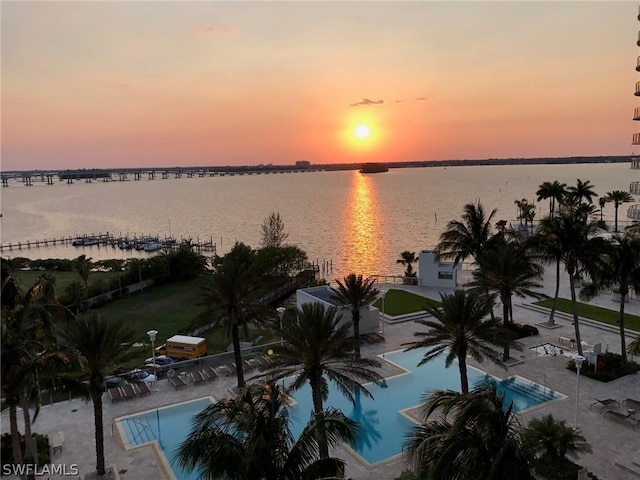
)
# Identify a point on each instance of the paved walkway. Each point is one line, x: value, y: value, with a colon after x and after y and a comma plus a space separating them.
x: 616, y: 446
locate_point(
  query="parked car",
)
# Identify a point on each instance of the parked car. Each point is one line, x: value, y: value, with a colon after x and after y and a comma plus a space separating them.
x: 114, y: 382
x: 161, y: 360
x: 138, y: 375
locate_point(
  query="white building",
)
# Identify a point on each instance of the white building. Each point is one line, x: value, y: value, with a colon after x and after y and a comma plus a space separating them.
x: 323, y: 294
x: 436, y: 274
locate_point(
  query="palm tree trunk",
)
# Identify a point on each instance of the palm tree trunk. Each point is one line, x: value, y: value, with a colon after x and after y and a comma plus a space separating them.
x: 96, y: 396
x: 15, y: 437
x: 237, y: 354
x: 505, y: 322
x: 574, y: 310
x: 623, y: 342
x: 462, y: 366
x: 555, y: 297
x: 30, y: 450
x: 318, y: 409
x: 615, y: 228
x: 356, y: 330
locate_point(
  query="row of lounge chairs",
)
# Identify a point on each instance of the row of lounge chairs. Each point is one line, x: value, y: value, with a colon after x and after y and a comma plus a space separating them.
x: 199, y: 378
x: 128, y: 391
x: 631, y: 417
x: 371, y: 337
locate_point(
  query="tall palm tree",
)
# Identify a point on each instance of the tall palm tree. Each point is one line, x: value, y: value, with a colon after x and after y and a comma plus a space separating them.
x: 318, y: 350
x: 460, y: 330
x: 250, y: 438
x: 580, y: 192
x: 83, y: 267
x: 466, y: 238
x: 618, y: 197
x: 233, y: 298
x: 572, y: 232
x: 101, y: 343
x: 620, y: 271
x: 473, y: 436
x: 602, y: 201
x: 552, y: 441
x: 554, y: 191
x: 28, y: 343
x: 507, y: 269
x: 358, y: 293
x: 407, y: 259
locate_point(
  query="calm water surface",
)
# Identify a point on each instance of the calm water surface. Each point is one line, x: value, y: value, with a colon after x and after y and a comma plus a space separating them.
x: 359, y: 222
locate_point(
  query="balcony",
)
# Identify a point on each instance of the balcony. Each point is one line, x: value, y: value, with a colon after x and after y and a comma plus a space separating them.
x: 637, y: 92
x: 636, y: 141
x: 638, y: 65
x: 634, y: 188
x: 634, y: 212
x: 635, y: 161
x: 636, y: 113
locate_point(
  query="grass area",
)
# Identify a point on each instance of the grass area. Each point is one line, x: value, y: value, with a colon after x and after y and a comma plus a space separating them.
x: 593, y: 312
x: 63, y: 279
x: 401, y: 302
x: 169, y: 309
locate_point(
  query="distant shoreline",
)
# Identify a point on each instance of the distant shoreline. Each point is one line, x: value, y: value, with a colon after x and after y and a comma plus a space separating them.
x: 328, y: 166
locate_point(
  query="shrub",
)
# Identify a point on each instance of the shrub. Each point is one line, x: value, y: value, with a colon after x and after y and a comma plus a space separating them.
x: 609, y: 367
x: 521, y: 330
x: 42, y: 443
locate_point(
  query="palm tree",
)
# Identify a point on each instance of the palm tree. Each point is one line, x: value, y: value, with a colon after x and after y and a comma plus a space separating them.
x: 407, y: 259
x: 101, y: 343
x: 475, y: 436
x: 618, y: 197
x: 357, y: 293
x: 582, y: 191
x: 620, y: 271
x: 83, y: 267
x: 572, y: 233
x: 602, y: 201
x: 466, y: 238
x: 507, y: 269
x: 317, y: 350
x: 28, y: 344
x: 554, y: 191
x: 551, y: 441
x: 250, y: 438
x: 233, y: 298
x: 461, y: 330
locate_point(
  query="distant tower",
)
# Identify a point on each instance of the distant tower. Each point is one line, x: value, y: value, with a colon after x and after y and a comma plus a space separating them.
x: 634, y: 210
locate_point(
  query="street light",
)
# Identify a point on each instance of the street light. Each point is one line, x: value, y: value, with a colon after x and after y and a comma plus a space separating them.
x: 152, y: 336
x: 281, y: 311
x: 578, y: 359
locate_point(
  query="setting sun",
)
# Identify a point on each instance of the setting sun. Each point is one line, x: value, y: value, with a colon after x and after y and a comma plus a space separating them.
x: 362, y: 131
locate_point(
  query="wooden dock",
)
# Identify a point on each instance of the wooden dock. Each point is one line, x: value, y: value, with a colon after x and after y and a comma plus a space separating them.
x: 108, y: 240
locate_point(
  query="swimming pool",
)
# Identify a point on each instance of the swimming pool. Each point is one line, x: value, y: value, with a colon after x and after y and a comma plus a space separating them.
x: 383, y: 424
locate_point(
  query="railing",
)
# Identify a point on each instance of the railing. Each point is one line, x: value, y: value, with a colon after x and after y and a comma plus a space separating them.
x: 634, y: 188
x: 635, y: 161
x: 638, y: 64
x: 544, y: 376
x: 636, y: 113
x: 634, y: 212
x: 637, y: 89
x: 636, y: 139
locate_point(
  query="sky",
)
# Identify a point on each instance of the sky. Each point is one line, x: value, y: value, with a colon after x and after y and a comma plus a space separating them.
x: 156, y: 83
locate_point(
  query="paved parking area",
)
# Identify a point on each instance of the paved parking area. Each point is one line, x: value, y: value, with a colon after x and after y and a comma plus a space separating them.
x: 616, y: 446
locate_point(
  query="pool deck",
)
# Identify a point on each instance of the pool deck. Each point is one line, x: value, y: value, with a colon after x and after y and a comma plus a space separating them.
x: 616, y: 445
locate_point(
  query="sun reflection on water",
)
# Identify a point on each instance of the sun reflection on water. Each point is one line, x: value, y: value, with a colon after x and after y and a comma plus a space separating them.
x: 362, y: 226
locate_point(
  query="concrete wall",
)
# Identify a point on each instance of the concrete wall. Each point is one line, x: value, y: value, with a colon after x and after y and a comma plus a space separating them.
x: 322, y: 294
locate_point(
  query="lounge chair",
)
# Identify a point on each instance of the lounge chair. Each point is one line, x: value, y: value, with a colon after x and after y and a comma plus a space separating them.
x: 143, y: 389
x: 211, y: 373
x: 198, y: 378
x: 607, y: 402
x: 177, y: 382
x: 115, y: 394
x: 632, y: 403
x: 128, y: 391
x: 628, y: 418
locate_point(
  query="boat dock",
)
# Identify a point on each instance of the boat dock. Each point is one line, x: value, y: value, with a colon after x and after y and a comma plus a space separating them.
x: 148, y: 243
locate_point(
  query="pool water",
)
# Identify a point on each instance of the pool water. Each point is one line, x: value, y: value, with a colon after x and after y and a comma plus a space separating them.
x: 383, y: 427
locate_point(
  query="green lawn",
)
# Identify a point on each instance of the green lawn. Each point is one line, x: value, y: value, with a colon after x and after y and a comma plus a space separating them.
x: 592, y: 312
x: 401, y: 302
x: 28, y: 277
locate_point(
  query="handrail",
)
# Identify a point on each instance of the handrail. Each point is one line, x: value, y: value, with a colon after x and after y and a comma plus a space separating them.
x: 139, y: 432
x: 543, y: 375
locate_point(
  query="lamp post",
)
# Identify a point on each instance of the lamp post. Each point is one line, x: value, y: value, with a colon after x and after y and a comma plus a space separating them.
x: 281, y: 311
x: 152, y: 336
x: 578, y: 359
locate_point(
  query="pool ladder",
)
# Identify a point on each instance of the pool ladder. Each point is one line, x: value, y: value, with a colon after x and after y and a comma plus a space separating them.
x: 140, y: 429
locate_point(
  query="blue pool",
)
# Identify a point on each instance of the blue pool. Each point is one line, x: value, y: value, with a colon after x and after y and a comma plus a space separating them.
x: 383, y: 426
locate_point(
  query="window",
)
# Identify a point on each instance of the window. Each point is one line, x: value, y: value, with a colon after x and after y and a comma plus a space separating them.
x: 445, y: 275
